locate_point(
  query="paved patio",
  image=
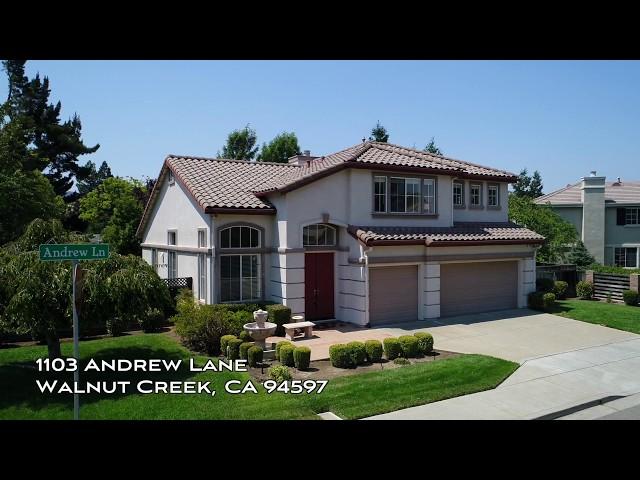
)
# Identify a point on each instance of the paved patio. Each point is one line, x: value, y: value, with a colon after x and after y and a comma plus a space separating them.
x: 516, y: 335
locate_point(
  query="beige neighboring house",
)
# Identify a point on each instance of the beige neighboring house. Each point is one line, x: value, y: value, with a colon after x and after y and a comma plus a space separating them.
x: 605, y: 214
x: 374, y: 234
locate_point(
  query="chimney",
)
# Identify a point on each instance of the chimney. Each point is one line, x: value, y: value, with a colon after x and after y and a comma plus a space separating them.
x: 593, y: 173
x: 593, y: 215
x: 302, y: 159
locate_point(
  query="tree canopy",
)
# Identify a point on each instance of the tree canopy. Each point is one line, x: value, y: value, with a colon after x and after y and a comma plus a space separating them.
x: 93, y: 177
x: 528, y: 185
x: 241, y: 145
x: 379, y: 133
x: 279, y: 149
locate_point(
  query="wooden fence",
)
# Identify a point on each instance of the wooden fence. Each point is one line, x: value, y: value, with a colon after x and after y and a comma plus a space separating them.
x: 605, y: 284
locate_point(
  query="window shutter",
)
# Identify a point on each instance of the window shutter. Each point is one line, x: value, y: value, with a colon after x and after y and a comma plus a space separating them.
x: 621, y: 216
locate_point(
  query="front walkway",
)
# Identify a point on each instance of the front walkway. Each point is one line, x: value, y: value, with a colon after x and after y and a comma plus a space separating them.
x: 515, y: 335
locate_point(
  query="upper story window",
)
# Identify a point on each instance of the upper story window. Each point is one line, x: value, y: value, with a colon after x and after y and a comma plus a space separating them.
x: 319, y: 235
x: 379, y: 194
x: 404, y: 195
x: 202, y: 238
x: 493, y: 196
x: 632, y: 216
x: 626, y: 257
x: 172, y: 179
x: 239, y: 237
x: 476, y: 194
x: 458, y: 194
x: 172, y: 238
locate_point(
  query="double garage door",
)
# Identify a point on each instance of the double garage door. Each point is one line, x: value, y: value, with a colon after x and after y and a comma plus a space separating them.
x: 464, y: 288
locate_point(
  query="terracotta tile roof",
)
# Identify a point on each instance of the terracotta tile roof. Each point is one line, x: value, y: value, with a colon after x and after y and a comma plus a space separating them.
x: 466, y: 233
x: 624, y: 192
x: 382, y: 155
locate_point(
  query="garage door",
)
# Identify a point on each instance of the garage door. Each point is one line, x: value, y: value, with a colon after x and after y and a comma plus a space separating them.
x: 393, y: 294
x: 477, y: 287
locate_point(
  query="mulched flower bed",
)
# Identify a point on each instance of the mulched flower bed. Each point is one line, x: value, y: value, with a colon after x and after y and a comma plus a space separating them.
x: 323, y: 370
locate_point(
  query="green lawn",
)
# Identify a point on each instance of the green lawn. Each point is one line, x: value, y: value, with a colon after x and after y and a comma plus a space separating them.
x: 622, y: 317
x: 353, y: 396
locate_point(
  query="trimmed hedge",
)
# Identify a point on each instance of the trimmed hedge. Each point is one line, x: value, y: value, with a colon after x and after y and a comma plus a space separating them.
x: 630, y: 297
x: 584, y: 290
x: 548, y: 300
x: 410, y: 346
x: 224, y: 341
x: 286, y: 355
x: 392, y: 348
x: 279, y: 345
x: 340, y: 356
x: 244, y: 347
x: 401, y: 361
x: 544, y: 285
x: 374, y: 350
x: 279, y: 373
x: 279, y: 314
x: 254, y: 355
x: 560, y: 289
x: 357, y: 352
x: 234, y: 348
x: 425, y: 341
x: 244, y: 336
x: 302, y: 357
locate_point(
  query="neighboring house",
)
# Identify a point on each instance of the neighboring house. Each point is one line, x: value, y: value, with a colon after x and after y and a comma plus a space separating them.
x: 606, y: 216
x: 376, y: 233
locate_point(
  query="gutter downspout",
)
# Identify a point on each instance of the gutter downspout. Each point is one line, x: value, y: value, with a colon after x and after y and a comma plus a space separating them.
x: 364, y: 249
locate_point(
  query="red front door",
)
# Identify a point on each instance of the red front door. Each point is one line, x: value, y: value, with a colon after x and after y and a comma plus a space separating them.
x: 318, y: 286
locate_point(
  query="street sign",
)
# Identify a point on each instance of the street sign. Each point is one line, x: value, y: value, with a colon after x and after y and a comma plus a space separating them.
x: 59, y: 252
x: 74, y: 251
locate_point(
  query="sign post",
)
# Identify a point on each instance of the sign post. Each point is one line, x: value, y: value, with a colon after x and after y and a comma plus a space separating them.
x: 75, y: 253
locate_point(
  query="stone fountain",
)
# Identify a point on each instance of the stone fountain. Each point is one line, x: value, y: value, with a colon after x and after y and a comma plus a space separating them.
x: 260, y: 329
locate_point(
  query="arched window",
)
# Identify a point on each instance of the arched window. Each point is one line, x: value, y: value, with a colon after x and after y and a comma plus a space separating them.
x: 239, y: 237
x: 319, y: 235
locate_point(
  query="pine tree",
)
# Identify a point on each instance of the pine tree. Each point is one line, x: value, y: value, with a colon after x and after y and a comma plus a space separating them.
x: 94, y: 177
x: 535, y: 187
x: 580, y: 256
x: 379, y: 133
x: 432, y: 148
x: 240, y: 145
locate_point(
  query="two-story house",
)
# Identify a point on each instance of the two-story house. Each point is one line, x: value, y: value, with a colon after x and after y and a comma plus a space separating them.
x: 605, y: 214
x: 374, y: 234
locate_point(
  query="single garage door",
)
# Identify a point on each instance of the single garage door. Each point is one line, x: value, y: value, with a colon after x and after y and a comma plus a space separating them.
x: 393, y: 294
x: 477, y: 287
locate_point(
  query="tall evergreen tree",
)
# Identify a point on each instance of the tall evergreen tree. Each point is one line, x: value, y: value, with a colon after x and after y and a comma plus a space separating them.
x: 379, y: 133
x: 279, y: 149
x: 580, y: 256
x: 432, y: 148
x: 527, y: 185
x: 241, y: 145
x: 54, y: 146
x: 93, y: 177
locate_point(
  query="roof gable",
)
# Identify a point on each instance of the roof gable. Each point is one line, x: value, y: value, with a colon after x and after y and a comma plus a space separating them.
x: 614, y: 193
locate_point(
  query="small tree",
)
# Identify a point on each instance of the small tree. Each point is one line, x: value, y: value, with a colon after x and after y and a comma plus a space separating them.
x: 580, y: 256
x: 379, y: 133
x: 241, y: 145
x: 280, y: 148
x: 528, y: 186
x: 92, y: 177
x: 432, y: 148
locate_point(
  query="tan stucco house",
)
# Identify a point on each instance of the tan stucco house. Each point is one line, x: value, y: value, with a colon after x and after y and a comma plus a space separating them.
x: 374, y: 234
x: 606, y: 216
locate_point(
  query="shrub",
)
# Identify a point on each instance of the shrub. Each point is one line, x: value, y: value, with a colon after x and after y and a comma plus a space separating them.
x: 358, y: 352
x: 374, y: 350
x: 244, y: 336
x: 234, y: 348
x: 630, y: 297
x: 279, y: 373
x: 116, y: 326
x: 392, y: 348
x: 425, y: 342
x: 548, y: 300
x: 244, y: 347
x: 410, y: 346
x: 401, y: 361
x: 545, y: 285
x: 201, y: 326
x: 302, y: 357
x: 152, y: 321
x: 279, y: 345
x: 535, y: 300
x: 279, y: 314
x: 609, y: 299
x: 224, y: 341
x: 286, y: 355
x: 340, y: 356
x: 584, y: 290
x: 560, y: 289
x: 254, y: 355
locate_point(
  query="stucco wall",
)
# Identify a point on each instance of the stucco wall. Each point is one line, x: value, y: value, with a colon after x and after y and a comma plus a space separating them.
x: 484, y: 214
x: 619, y: 234
x: 573, y: 215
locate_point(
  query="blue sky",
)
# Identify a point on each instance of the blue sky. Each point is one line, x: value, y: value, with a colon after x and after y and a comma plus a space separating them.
x: 563, y: 118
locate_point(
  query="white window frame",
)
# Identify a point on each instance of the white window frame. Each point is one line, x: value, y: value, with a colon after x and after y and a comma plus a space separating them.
x: 495, y: 188
x: 461, y: 194
x: 433, y: 196
x: 202, y: 277
x: 380, y: 180
x: 175, y: 237
x: 317, y: 226
x: 241, y: 227
x: 632, y: 216
x: 624, y: 256
x: 471, y: 195
x: 258, y: 278
x: 414, y: 195
x: 172, y: 264
x: 202, y: 235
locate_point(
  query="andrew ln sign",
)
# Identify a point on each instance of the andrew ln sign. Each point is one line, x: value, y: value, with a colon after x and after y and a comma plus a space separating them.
x: 70, y: 251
